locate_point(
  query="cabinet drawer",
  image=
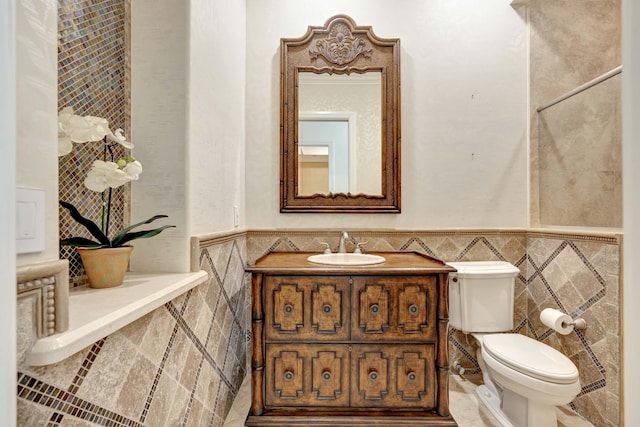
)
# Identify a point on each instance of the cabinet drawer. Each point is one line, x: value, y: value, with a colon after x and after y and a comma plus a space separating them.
x: 307, y: 375
x: 394, y: 308
x: 306, y: 308
x: 400, y: 376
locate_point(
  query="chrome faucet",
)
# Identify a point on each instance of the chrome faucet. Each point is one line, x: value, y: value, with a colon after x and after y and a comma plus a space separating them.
x: 341, y: 248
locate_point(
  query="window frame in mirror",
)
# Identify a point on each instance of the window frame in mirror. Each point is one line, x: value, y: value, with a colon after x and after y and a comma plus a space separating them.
x: 362, y: 51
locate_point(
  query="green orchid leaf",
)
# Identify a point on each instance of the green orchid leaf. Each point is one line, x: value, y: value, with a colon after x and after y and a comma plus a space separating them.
x: 118, y: 237
x: 143, y: 234
x: 81, y: 242
x: 87, y: 223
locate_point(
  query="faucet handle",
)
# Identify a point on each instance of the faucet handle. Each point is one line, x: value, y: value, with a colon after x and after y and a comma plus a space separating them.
x: 327, y: 249
x: 358, y: 249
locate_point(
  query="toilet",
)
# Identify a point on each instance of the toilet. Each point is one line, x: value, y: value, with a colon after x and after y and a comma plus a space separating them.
x: 524, y: 379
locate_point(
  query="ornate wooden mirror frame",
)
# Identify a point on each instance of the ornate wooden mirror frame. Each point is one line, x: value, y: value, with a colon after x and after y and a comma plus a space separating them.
x: 340, y: 47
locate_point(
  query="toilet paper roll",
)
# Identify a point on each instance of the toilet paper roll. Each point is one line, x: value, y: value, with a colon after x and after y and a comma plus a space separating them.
x: 557, y: 320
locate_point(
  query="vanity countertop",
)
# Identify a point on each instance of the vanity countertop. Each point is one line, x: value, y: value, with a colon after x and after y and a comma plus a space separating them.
x: 395, y: 262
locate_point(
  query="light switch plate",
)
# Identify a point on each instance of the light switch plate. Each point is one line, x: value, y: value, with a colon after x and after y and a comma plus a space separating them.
x: 30, y: 220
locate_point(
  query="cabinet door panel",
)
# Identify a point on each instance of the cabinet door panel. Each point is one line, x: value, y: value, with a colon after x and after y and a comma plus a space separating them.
x: 400, y: 376
x: 390, y: 308
x: 307, y: 375
x: 306, y: 308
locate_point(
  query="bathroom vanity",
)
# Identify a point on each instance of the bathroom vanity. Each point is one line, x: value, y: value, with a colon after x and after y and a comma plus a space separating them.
x: 349, y: 345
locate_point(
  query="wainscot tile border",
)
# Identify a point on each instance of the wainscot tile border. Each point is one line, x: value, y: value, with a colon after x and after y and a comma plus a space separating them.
x: 47, y: 285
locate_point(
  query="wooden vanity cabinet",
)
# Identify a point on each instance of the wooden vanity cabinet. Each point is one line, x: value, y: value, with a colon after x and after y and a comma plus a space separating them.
x: 349, y: 346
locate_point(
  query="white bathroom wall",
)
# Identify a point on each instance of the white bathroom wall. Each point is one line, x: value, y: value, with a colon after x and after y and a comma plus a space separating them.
x: 159, y: 120
x: 7, y: 212
x: 216, y: 115
x: 464, y: 129
x: 28, y: 83
x: 187, y: 109
x: 631, y: 174
x: 36, y: 113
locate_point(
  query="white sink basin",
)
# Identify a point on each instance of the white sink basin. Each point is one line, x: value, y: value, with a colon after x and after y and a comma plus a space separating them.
x: 346, y: 259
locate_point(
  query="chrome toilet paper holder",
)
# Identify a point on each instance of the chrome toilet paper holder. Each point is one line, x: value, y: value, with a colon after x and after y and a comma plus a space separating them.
x: 577, y: 323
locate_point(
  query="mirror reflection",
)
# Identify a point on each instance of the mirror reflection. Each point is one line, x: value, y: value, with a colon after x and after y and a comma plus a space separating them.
x: 340, y: 133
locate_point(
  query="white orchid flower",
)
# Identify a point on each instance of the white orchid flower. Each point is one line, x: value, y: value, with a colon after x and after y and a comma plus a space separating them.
x: 65, y: 146
x: 133, y: 170
x: 74, y: 128
x: 103, y: 175
x: 118, y: 136
x: 65, y: 115
x: 80, y: 129
x: 89, y: 128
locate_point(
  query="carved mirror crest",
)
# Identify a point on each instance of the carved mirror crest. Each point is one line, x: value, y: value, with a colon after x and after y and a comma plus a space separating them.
x: 340, y: 120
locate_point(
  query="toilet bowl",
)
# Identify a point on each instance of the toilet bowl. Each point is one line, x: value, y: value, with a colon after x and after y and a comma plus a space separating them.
x: 524, y: 379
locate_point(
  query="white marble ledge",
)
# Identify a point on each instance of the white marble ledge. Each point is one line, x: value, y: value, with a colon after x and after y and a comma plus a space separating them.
x: 97, y: 313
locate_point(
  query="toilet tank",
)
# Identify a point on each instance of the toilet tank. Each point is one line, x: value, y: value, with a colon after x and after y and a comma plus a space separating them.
x: 481, y: 296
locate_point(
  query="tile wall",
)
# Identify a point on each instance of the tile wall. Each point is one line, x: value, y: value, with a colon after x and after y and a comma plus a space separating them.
x: 91, y: 79
x: 180, y: 365
x: 576, y: 273
x: 580, y: 275
x: 571, y: 43
x: 580, y: 158
x: 183, y: 363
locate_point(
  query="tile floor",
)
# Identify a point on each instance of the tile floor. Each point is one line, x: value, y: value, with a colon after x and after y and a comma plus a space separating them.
x: 463, y: 403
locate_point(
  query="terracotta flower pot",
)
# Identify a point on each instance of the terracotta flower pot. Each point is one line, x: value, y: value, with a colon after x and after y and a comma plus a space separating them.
x: 105, y: 267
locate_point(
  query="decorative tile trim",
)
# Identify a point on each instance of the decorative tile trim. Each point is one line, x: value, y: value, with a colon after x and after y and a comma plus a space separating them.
x: 206, y: 258
x: 159, y: 372
x: 57, y: 417
x: 486, y: 243
x: 612, y: 238
x: 207, y: 240
x: 49, y: 282
x: 64, y: 402
x: 86, y: 366
x: 198, y: 243
x: 395, y: 233
x: 420, y: 243
x: 196, y: 342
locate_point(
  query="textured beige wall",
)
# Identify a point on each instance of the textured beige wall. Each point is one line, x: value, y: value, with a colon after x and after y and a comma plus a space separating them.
x: 573, y: 42
x: 580, y: 164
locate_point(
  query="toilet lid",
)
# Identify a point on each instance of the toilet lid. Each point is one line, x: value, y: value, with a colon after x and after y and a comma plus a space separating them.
x: 531, y: 357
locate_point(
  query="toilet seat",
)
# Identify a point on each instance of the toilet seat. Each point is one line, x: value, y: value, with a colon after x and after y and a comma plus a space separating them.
x: 530, y: 357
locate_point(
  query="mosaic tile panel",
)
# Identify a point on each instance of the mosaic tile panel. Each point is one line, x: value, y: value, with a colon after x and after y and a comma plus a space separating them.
x: 91, y: 79
x: 180, y: 365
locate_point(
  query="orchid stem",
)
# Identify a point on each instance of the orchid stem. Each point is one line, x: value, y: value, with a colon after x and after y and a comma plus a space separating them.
x: 103, y: 212
x: 106, y: 232
x: 105, y: 223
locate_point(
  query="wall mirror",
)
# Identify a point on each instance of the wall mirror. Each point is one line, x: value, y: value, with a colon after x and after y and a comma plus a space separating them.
x: 340, y: 120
